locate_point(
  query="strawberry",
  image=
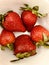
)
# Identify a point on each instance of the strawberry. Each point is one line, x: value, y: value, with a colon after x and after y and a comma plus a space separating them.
x: 12, y: 22
x: 29, y: 19
x: 29, y: 16
x: 37, y: 33
x: 7, y: 38
x: 24, y: 46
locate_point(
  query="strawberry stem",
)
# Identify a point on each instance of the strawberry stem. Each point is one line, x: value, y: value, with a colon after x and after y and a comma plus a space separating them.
x: 16, y: 60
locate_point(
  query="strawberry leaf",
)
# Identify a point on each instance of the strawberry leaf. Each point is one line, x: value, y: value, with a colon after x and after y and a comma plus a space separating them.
x: 2, y: 47
x: 46, y: 45
x: 41, y: 15
x: 40, y: 43
x: 36, y: 8
x: 10, y: 46
x: 26, y: 5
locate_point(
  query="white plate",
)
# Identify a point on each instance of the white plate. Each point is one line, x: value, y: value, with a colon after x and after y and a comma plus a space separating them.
x: 43, y: 54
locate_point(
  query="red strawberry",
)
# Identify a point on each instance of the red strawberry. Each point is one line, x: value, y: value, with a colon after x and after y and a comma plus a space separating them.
x: 12, y: 22
x: 23, y: 44
x: 29, y: 19
x: 7, y: 38
x: 37, y: 33
x: 29, y: 16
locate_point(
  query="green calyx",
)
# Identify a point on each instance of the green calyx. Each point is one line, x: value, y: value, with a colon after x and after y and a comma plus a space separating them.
x: 1, y: 18
x: 43, y: 42
x: 10, y: 46
x: 26, y: 7
x: 24, y: 55
x: 34, y: 10
x: 40, y: 43
x: 2, y: 47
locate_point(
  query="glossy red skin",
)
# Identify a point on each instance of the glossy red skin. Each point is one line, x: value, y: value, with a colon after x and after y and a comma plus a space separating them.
x: 7, y: 38
x: 13, y: 22
x: 37, y: 33
x: 29, y: 19
x: 23, y: 44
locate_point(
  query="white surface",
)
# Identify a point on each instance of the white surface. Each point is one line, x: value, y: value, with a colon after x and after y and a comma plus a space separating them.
x: 42, y: 57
